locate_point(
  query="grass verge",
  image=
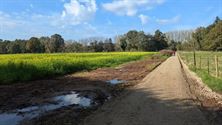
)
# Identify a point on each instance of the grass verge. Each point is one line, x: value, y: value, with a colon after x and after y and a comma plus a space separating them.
x: 214, y: 83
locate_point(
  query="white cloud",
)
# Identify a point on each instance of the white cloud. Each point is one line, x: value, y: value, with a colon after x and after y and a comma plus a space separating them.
x: 65, y: 22
x: 78, y: 11
x: 144, y: 19
x: 14, y: 26
x: 129, y: 7
x: 168, y: 21
x: 6, y: 21
x: 23, y: 26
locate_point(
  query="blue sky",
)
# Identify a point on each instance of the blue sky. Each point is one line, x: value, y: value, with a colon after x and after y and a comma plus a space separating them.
x: 77, y: 19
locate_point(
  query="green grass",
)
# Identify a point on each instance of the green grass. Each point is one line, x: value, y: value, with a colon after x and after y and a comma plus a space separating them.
x: 214, y: 83
x: 24, y: 67
x: 202, y: 67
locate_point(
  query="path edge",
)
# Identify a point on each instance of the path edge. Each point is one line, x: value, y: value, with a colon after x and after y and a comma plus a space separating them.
x: 201, y: 94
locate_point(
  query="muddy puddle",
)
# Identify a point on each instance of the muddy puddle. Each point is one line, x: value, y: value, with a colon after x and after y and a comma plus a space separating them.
x: 72, y: 98
x: 115, y: 81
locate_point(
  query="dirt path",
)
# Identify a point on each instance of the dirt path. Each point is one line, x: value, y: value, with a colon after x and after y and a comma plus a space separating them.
x: 162, y: 98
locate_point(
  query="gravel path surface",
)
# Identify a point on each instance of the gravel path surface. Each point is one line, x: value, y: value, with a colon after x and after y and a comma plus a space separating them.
x: 162, y: 98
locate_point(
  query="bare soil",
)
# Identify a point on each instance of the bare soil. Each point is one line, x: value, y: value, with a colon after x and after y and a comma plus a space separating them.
x: 39, y: 92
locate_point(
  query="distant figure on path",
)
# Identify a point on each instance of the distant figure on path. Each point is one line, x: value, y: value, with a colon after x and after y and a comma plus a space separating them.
x: 174, y: 52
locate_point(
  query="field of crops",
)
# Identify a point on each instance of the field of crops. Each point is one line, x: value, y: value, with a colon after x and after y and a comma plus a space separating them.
x: 23, y: 67
x: 206, y: 65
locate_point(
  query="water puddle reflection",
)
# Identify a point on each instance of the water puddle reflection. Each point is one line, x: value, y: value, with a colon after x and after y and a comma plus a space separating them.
x: 115, y: 81
x: 16, y: 116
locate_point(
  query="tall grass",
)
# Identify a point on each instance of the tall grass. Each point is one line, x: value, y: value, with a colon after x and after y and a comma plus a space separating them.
x: 24, y: 67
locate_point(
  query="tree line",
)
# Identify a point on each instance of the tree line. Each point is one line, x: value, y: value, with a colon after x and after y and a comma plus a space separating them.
x: 131, y: 41
x: 205, y: 38
x: 139, y: 41
x: 52, y: 44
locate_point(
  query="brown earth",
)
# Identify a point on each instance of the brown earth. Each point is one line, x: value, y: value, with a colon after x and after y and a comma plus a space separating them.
x: 39, y: 92
x: 162, y: 98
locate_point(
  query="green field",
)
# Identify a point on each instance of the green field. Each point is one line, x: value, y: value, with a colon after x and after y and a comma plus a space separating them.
x: 23, y: 67
x: 202, y: 59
